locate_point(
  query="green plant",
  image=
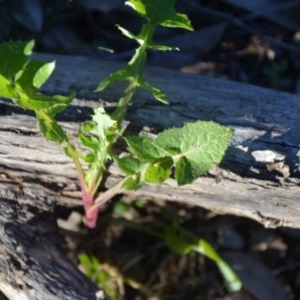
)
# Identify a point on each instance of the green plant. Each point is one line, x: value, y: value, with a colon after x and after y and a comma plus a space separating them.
x: 101, y: 274
x: 190, y: 150
x: 276, y: 74
x: 170, y: 230
x: 180, y: 240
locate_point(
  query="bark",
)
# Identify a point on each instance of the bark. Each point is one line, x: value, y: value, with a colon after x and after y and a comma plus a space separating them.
x: 260, y: 171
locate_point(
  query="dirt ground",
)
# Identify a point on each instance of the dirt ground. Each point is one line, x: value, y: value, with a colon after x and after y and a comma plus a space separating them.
x: 254, y: 42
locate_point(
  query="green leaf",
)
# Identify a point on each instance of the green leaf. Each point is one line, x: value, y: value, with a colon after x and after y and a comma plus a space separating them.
x: 96, y: 169
x: 160, y: 13
x: 34, y: 102
x: 182, y: 241
x: 157, y: 93
x: 51, y: 105
x: 88, y: 141
x: 140, y: 39
x: 43, y: 74
x: 34, y: 74
x: 96, y: 136
x: 145, y: 148
x: 25, y: 77
x: 122, y: 208
x: 203, y: 144
x: 120, y: 75
x: 129, y: 164
x: 7, y: 89
x: 183, y: 171
x: 232, y: 281
x: 51, y: 129
x: 13, y: 56
x: 61, y: 103
x: 134, y: 182
x: 160, y: 171
x: 103, y: 123
x: 176, y: 240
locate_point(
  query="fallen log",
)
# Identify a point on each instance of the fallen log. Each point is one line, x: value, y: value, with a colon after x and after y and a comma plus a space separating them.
x: 259, y: 174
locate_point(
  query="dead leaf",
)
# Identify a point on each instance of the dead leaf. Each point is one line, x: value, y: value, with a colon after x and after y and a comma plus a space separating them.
x: 280, y: 167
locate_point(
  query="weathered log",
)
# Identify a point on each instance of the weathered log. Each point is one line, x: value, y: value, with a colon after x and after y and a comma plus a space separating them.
x: 260, y: 170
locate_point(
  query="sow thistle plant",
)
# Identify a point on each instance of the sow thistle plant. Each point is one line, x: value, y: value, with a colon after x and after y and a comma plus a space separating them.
x: 186, y: 152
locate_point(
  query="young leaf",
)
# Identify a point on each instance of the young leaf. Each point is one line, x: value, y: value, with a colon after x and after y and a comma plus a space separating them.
x: 157, y: 93
x: 130, y: 35
x: 232, y: 281
x: 176, y: 240
x: 159, y: 12
x: 103, y: 124
x: 182, y: 241
x: 96, y: 136
x: 145, y: 148
x: 120, y: 75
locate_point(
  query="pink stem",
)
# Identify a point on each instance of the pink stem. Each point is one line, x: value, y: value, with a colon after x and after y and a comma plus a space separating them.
x: 91, y: 216
x: 91, y: 212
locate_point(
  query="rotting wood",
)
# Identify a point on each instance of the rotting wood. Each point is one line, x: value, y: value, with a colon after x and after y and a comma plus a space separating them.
x: 36, y: 173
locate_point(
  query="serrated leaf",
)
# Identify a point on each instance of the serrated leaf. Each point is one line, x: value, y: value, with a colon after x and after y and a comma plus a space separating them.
x: 51, y: 129
x: 203, y: 144
x: 96, y: 136
x: 102, y: 123
x: 160, y: 12
x: 51, y: 105
x: 61, y: 103
x: 130, y: 35
x: 145, y: 148
x: 157, y: 93
x: 160, y: 171
x: 35, y: 102
x: 120, y: 75
x: 89, y: 141
x: 43, y: 74
x: 128, y: 164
